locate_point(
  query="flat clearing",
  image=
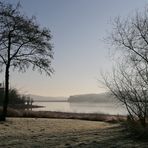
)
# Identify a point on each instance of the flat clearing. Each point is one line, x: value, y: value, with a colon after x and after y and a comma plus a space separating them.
x: 50, y: 133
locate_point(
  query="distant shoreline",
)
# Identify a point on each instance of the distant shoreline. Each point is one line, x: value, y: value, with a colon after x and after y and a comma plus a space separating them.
x: 51, y: 101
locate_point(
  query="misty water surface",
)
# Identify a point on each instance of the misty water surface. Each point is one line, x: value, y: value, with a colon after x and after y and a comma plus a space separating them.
x: 106, y: 108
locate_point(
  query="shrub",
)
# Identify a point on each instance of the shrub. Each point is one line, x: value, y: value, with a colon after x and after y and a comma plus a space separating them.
x: 135, y: 129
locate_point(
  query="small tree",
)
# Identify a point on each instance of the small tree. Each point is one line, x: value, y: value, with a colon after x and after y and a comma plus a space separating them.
x: 128, y: 87
x: 130, y: 82
x: 23, y: 43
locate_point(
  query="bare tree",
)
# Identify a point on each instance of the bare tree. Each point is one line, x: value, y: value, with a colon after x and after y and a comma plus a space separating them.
x: 129, y: 82
x: 23, y: 43
x: 127, y: 85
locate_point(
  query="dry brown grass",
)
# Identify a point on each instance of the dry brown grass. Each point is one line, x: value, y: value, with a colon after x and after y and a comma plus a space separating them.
x: 28, y: 126
x: 32, y: 132
x: 61, y: 133
x: 64, y: 115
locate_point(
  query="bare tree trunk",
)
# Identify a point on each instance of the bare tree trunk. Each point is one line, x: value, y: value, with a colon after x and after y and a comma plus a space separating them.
x: 6, y: 97
x: 143, y: 122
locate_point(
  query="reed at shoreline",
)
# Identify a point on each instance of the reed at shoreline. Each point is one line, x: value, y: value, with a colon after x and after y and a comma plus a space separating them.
x: 66, y: 115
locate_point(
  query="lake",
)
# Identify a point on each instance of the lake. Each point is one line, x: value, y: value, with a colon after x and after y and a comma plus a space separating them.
x: 106, y: 108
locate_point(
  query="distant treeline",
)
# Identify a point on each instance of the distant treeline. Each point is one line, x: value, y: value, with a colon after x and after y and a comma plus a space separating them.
x: 91, y: 98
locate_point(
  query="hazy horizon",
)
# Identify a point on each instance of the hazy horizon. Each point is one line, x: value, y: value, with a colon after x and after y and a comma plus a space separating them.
x: 66, y: 96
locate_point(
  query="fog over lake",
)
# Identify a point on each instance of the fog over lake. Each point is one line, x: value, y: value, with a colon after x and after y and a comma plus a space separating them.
x: 83, y: 103
x: 85, y: 107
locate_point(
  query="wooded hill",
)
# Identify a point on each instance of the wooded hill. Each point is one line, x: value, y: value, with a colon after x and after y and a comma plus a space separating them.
x: 103, y: 97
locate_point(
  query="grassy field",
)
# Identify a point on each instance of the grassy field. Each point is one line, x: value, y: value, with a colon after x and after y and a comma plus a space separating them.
x: 54, y: 133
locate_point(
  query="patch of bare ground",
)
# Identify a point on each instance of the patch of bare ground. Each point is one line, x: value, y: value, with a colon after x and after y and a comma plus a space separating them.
x: 54, y: 133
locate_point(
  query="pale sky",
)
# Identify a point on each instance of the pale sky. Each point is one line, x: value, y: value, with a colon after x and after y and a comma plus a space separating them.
x: 78, y: 28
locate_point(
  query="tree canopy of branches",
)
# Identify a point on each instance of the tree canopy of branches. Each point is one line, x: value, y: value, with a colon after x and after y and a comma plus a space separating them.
x: 23, y: 43
x: 129, y: 82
